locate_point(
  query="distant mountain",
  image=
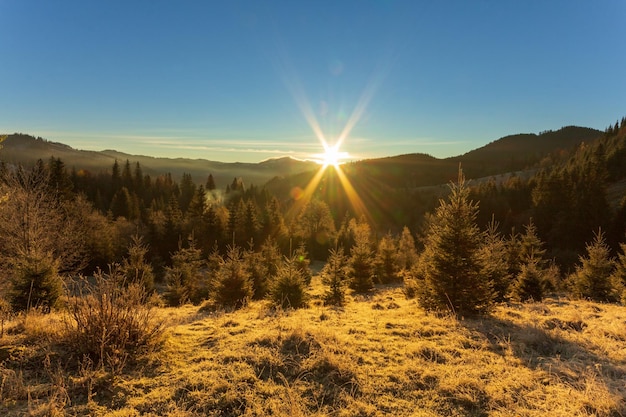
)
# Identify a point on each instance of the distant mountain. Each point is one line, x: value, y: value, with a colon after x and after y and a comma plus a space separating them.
x: 26, y: 150
x: 507, y: 154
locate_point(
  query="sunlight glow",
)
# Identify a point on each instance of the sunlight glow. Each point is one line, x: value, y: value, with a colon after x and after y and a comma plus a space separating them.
x: 332, y: 156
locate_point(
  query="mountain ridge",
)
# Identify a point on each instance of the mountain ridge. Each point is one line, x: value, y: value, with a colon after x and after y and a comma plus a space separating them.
x: 507, y: 154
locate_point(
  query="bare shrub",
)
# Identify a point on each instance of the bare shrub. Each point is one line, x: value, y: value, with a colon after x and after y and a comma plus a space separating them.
x: 110, y: 323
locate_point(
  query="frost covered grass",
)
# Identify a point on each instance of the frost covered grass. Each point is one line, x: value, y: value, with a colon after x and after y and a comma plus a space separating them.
x: 379, y: 354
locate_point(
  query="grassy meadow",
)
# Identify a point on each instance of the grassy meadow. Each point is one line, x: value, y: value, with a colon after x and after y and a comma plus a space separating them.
x: 379, y: 355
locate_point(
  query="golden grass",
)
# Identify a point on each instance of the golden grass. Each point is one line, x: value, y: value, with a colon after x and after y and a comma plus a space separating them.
x: 379, y: 355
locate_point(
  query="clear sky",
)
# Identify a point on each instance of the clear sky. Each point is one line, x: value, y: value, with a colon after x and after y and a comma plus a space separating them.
x: 249, y: 80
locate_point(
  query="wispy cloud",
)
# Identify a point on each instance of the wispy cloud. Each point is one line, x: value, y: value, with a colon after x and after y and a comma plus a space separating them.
x: 191, y: 144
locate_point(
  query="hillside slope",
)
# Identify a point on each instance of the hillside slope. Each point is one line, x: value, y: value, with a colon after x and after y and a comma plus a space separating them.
x: 380, y: 355
x: 516, y: 152
x: 25, y: 149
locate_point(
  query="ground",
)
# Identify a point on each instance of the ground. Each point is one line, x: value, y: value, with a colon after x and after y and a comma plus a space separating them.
x: 380, y: 354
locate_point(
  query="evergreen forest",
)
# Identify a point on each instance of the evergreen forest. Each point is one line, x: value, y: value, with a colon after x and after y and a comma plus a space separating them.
x: 113, y: 251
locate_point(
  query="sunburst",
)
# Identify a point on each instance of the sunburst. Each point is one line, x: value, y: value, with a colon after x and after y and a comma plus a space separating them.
x: 332, y: 155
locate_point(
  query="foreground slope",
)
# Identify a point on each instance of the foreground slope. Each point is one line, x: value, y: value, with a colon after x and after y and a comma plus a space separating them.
x: 380, y: 355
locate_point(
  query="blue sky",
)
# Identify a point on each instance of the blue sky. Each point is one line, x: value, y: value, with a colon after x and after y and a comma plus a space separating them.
x: 249, y: 80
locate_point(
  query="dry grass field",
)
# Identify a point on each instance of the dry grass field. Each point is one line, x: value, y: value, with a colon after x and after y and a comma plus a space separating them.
x: 379, y: 355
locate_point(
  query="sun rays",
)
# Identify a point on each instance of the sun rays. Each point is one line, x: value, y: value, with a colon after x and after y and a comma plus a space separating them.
x: 333, y: 156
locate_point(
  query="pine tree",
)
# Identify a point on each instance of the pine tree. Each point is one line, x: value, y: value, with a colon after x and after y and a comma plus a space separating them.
x: 59, y: 182
x: 453, y: 267
x: 529, y: 282
x: 531, y: 246
x: 173, y: 227
x: 187, y: 191
x: 214, y: 225
x: 135, y: 267
x: 232, y: 287
x: 210, y: 183
x: 127, y: 176
x: 407, y: 255
x: 592, y: 278
x: 35, y: 283
x: 387, y: 260
x: 274, y: 223
x: 301, y: 257
x: 122, y: 205
x: 250, y: 223
x: 513, y: 254
x: 116, y: 177
x: 41, y: 238
x: 138, y: 180
x: 335, y: 276
x: 197, y: 205
x: 186, y: 280
x: 361, y: 265
x: 288, y: 289
x: 527, y: 265
x: 271, y: 257
x: 618, y: 277
x: 494, y: 257
x: 258, y: 271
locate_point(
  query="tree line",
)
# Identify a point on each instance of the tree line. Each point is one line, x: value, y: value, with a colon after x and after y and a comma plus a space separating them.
x: 197, y: 242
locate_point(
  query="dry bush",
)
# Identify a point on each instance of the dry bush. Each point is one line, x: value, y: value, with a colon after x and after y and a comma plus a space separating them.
x: 12, y: 386
x: 110, y: 323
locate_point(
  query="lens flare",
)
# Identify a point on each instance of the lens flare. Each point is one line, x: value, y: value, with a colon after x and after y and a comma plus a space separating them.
x: 332, y: 156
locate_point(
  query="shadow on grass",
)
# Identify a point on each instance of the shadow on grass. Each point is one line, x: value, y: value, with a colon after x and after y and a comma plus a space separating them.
x: 542, y: 346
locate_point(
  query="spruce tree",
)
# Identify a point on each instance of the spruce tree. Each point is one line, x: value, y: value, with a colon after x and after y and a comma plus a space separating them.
x: 407, y: 255
x: 529, y: 282
x: 233, y: 287
x: 618, y: 277
x: 361, y: 266
x: 592, y: 278
x: 526, y: 259
x: 271, y: 257
x: 258, y: 272
x: 186, y: 280
x: 453, y: 266
x: 35, y: 283
x: 531, y: 246
x: 210, y: 183
x: 387, y: 260
x: 303, y: 262
x: 335, y: 276
x: 135, y: 268
x: 288, y: 289
x: 495, y: 266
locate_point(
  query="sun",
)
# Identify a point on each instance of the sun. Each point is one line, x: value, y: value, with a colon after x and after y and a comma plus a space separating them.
x: 332, y: 156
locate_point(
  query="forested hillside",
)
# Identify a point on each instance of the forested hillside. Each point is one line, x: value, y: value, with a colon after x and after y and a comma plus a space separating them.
x: 109, y: 273
x: 565, y: 191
